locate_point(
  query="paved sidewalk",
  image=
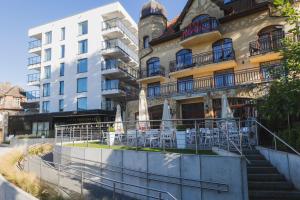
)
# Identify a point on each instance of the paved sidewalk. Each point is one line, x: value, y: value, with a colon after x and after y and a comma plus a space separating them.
x: 4, y: 149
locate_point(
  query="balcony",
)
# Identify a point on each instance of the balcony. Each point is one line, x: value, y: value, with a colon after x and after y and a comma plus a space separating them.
x: 35, y: 46
x: 115, y: 28
x: 33, y: 96
x: 151, y: 76
x: 33, y: 79
x: 108, y: 106
x: 203, y: 63
x: 118, y: 69
x: 115, y: 48
x: 266, y: 48
x: 34, y: 62
x: 199, y: 86
x: 201, y: 31
x: 112, y: 88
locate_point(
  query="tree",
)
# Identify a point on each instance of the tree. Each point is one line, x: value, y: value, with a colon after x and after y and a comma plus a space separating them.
x: 282, y: 104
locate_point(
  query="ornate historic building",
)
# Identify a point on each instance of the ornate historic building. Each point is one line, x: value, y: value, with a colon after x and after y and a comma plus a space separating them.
x: 212, y: 48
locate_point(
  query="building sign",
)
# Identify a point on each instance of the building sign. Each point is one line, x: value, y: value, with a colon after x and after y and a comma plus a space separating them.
x: 199, y: 27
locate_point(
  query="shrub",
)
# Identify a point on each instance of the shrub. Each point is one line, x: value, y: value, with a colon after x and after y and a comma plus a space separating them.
x: 181, y: 128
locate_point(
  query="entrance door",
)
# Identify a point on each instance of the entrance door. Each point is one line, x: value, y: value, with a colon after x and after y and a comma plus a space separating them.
x: 192, y: 111
x: 155, y: 113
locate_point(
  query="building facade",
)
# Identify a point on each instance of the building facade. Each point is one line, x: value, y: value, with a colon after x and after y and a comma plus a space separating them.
x: 212, y: 48
x: 12, y: 99
x: 81, y: 67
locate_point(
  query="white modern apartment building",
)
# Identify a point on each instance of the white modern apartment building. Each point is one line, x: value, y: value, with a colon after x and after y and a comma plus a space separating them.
x: 85, y: 63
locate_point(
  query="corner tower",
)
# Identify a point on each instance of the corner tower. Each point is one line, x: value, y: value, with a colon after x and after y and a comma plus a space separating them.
x: 152, y: 24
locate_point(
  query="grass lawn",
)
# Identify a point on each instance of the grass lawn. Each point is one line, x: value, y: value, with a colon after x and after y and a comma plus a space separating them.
x: 102, y: 146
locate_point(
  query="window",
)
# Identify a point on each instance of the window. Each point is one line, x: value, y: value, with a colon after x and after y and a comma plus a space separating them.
x: 62, y: 51
x: 224, y: 78
x: 82, y: 46
x: 111, y: 84
x: 46, y: 90
x: 82, y: 104
x: 82, y: 65
x: 62, y: 69
x: 61, y: 88
x: 146, y: 42
x: 46, y: 106
x: 63, y: 33
x: 228, y: 1
x: 61, y: 105
x: 111, y: 64
x: 153, y: 67
x: 185, y: 84
x: 184, y: 58
x: 223, y: 50
x: 81, y: 85
x: 1, y: 100
x: 48, y: 37
x: 83, y: 28
x: 153, y: 89
x: 47, y: 72
x: 17, y: 101
x: 272, y: 70
x: 47, y: 55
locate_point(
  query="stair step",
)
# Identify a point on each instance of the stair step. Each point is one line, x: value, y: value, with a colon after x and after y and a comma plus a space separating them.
x: 274, y: 195
x: 260, y: 163
x: 255, y: 157
x: 265, y: 177
x: 251, y: 152
x: 278, y: 186
x: 262, y: 170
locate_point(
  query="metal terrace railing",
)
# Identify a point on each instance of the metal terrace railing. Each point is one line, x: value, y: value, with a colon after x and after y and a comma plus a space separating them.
x: 34, y: 60
x: 190, y: 134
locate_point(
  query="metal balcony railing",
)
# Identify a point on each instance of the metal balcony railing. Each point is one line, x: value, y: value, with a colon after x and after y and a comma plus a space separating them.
x: 117, y: 23
x: 33, y: 95
x: 221, y: 81
x: 118, y: 44
x: 266, y: 44
x: 153, y: 72
x: 33, y: 77
x: 117, y: 64
x: 108, y: 106
x: 205, y: 58
x: 200, y: 27
x: 34, y: 44
x: 34, y: 60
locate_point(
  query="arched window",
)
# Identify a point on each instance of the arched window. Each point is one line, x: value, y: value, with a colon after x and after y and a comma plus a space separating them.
x: 207, y: 23
x: 270, y: 38
x: 271, y: 31
x: 200, y: 18
x: 223, y: 50
x: 184, y: 58
x: 153, y: 67
x: 146, y: 41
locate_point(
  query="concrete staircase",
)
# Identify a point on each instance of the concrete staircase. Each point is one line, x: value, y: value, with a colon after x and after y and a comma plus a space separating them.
x: 265, y: 182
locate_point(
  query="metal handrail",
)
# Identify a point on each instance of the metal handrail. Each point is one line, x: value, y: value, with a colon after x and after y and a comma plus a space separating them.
x: 166, y: 176
x: 108, y: 179
x: 278, y: 138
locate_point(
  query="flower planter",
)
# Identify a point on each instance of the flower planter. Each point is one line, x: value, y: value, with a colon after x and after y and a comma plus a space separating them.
x: 181, y: 139
x: 111, y: 138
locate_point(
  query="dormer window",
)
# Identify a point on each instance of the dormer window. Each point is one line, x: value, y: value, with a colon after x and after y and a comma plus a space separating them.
x: 146, y: 41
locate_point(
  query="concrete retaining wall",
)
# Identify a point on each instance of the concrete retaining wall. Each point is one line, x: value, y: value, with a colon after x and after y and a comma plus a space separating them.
x: 181, y: 175
x: 8, y: 191
x: 286, y: 163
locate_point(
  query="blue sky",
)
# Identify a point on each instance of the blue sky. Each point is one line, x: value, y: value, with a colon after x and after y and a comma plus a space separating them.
x: 20, y: 15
